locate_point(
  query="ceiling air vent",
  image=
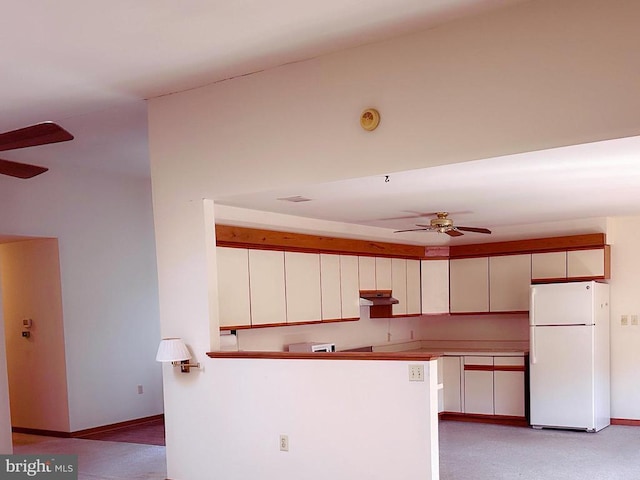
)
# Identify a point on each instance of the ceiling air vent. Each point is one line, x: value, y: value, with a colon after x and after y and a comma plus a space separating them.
x: 295, y: 199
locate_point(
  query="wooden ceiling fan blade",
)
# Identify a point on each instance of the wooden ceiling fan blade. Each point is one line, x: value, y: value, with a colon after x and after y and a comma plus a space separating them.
x: 20, y: 170
x: 34, y: 135
x: 474, y: 229
x: 454, y: 233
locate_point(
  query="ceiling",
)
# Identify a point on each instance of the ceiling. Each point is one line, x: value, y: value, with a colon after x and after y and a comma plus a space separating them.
x: 91, y: 69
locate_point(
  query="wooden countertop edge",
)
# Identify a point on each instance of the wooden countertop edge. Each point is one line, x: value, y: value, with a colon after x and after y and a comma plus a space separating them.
x: 411, y: 356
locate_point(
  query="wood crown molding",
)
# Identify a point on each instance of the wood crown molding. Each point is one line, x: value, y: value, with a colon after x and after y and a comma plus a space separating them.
x: 242, y: 237
x: 535, y: 245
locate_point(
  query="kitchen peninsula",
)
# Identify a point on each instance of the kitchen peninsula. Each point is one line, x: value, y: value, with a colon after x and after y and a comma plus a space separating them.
x: 370, y: 412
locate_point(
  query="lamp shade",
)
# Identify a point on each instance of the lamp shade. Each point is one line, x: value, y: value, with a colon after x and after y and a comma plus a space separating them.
x: 172, y: 350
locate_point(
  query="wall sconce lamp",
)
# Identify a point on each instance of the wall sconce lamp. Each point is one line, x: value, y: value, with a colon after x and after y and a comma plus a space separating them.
x: 175, y: 351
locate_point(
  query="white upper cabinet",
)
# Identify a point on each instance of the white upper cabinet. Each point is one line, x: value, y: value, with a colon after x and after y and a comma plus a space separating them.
x: 330, y: 286
x: 383, y: 273
x: 367, y: 273
x: 435, y: 286
x: 266, y: 271
x: 349, y: 286
x: 549, y: 265
x: 234, y: 305
x: 469, y: 285
x: 509, y: 282
x: 414, y: 294
x: 586, y: 263
x: 399, y: 285
x: 302, y: 280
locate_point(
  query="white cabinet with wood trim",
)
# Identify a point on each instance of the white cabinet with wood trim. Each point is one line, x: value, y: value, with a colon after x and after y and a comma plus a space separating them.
x: 508, y: 386
x: 452, y: 384
x: 549, y: 265
x: 349, y: 286
x: 383, y: 273
x: 414, y: 291
x: 399, y: 285
x: 469, y: 285
x: 509, y: 283
x: 588, y: 263
x: 367, y: 273
x: 234, y: 303
x: 435, y: 286
x: 266, y: 273
x: 478, y: 385
x: 330, y: 286
x: 302, y: 280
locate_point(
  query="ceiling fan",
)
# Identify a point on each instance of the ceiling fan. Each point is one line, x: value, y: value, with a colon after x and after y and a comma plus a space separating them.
x: 442, y: 224
x: 31, y: 136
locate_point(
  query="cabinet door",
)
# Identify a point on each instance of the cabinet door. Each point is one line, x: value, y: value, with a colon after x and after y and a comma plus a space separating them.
x: 330, y: 287
x: 266, y: 273
x: 478, y: 385
x: 414, y: 292
x: 233, y: 286
x: 349, y: 289
x: 452, y: 384
x: 469, y: 284
x: 435, y: 286
x: 367, y: 273
x: 399, y: 285
x: 383, y: 273
x: 549, y: 265
x: 508, y: 386
x: 302, y: 280
x: 586, y: 263
x: 509, y: 282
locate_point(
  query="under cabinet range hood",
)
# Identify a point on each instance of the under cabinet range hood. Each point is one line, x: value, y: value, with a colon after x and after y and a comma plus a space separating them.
x: 379, y: 301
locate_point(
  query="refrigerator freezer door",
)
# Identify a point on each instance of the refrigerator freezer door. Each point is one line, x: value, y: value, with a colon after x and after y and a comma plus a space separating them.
x: 562, y: 304
x: 561, y: 379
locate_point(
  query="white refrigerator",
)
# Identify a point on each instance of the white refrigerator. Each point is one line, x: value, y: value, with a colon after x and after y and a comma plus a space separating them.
x: 569, y: 356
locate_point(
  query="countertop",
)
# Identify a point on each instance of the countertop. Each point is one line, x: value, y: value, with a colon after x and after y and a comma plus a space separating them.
x: 459, y: 347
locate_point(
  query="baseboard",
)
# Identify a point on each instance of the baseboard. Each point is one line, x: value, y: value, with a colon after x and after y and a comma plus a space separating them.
x: 625, y: 421
x: 476, y: 418
x: 88, y: 431
x: 115, y: 426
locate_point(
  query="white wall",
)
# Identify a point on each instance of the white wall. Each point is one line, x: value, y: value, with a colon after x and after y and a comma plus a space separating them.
x: 6, y: 443
x: 104, y: 228
x: 536, y: 75
x: 30, y: 272
x: 623, y: 234
x: 344, y: 419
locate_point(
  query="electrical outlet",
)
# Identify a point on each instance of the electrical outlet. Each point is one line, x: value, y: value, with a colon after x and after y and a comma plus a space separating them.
x: 284, y: 443
x: 411, y: 334
x: 634, y: 319
x: 624, y: 320
x: 416, y: 373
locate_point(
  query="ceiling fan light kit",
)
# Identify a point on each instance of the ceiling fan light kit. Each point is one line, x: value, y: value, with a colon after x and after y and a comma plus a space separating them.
x: 31, y: 136
x: 443, y: 224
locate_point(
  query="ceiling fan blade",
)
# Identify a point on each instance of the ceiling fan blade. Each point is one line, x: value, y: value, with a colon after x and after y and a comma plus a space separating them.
x: 34, y: 135
x: 454, y: 233
x: 20, y: 170
x: 474, y: 229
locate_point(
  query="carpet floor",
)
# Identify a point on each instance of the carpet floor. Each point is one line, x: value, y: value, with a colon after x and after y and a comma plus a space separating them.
x: 495, y: 452
x: 148, y: 433
x: 100, y: 460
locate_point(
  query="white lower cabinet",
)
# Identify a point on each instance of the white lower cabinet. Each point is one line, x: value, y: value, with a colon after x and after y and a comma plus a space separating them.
x: 483, y: 385
x: 452, y: 384
x: 508, y: 386
x: 478, y: 385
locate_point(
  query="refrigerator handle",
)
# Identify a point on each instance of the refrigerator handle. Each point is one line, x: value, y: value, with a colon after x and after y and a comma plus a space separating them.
x: 532, y: 329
